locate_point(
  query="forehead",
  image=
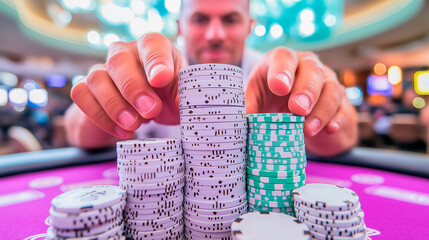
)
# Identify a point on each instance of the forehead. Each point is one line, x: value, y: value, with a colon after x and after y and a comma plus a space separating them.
x: 215, y: 7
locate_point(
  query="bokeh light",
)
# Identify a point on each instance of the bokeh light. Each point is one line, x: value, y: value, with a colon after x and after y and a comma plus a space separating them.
x: 419, y: 102
x: 421, y: 82
x: 394, y: 75
x: 18, y: 96
x: 380, y: 68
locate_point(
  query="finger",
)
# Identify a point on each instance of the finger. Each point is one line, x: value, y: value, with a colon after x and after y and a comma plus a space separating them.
x: 156, y: 54
x: 108, y: 96
x: 338, y: 120
x: 307, y: 85
x: 255, y: 87
x: 125, y: 70
x: 83, y: 98
x: 281, y: 69
x: 325, y: 109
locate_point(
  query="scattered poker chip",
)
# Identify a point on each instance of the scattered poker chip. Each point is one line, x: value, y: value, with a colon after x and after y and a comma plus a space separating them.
x: 275, y: 143
x: 88, y: 198
x: 274, y: 138
x: 277, y: 167
x: 115, y: 232
x: 276, y: 126
x: 326, y: 197
x: 337, y: 231
x: 273, y: 226
x: 275, y: 117
x: 274, y: 186
x: 319, y: 236
x: 275, y: 174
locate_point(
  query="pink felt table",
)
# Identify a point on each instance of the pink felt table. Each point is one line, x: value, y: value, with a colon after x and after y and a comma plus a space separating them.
x: 396, y: 206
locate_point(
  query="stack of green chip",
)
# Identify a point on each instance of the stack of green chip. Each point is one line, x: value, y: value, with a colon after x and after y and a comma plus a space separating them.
x: 276, y: 161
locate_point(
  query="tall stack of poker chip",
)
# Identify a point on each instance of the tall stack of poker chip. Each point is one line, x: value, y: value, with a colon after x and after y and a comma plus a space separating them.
x: 214, y: 132
x: 330, y: 211
x: 152, y: 172
x: 88, y: 213
x: 276, y: 161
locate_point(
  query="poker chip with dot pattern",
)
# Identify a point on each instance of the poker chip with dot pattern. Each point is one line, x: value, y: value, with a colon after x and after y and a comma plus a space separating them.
x: 154, y: 185
x: 214, y: 138
x: 268, y: 225
x: 87, y: 213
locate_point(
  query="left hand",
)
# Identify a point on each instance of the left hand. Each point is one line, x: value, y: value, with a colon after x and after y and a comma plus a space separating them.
x: 297, y: 82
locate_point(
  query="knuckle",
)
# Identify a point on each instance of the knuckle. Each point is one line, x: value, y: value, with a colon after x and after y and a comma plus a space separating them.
x: 100, y: 116
x: 150, y: 38
x: 78, y: 93
x: 113, y: 102
x: 128, y: 84
x: 284, y: 51
x: 96, y: 77
x: 117, y: 58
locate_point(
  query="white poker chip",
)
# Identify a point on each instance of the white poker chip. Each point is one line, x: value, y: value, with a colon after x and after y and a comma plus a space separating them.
x: 354, y: 221
x: 269, y: 225
x: 210, y: 67
x: 88, y: 198
x: 213, y: 126
x: 199, y: 235
x: 326, y: 197
x: 212, y: 111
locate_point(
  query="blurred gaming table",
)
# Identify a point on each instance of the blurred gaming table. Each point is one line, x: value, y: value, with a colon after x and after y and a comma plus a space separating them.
x: 393, y: 187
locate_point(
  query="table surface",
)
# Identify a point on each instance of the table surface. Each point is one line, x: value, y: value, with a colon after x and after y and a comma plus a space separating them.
x: 396, y: 206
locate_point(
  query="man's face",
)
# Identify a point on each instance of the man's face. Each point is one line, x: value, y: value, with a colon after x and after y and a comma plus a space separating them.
x: 215, y: 30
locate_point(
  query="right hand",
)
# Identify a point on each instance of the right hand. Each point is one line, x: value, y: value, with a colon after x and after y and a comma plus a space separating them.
x: 137, y: 83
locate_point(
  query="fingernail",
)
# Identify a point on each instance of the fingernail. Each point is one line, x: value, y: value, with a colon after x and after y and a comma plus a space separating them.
x: 156, y: 69
x: 314, y: 124
x: 146, y: 103
x: 284, y: 78
x: 127, y: 118
x: 303, y: 101
x: 121, y: 132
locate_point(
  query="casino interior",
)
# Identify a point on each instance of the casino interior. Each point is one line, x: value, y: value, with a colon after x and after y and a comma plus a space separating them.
x: 379, y: 50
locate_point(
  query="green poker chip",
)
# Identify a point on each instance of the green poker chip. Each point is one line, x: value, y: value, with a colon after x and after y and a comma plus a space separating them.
x: 268, y: 137
x: 288, y: 180
x: 277, y: 132
x: 275, y: 117
x: 271, y: 204
x: 278, y: 167
x: 278, y: 126
x: 264, y: 154
x: 274, y: 186
x: 278, y: 210
x: 277, y: 161
x: 275, y: 173
x: 266, y: 192
x: 265, y: 143
x: 276, y: 149
x: 270, y: 198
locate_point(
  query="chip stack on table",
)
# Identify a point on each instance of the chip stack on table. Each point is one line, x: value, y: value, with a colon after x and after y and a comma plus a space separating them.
x: 276, y: 161
x: 268, y: 226
x: 88, y: 213
x: 152, y: 172
x: 330, y: 211
x: 214, y: 133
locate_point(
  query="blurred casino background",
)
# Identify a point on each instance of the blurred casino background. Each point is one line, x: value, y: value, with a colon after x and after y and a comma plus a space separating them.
x: 379, y: 49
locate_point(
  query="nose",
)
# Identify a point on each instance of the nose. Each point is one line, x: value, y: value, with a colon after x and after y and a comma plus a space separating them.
x: 215, y: 31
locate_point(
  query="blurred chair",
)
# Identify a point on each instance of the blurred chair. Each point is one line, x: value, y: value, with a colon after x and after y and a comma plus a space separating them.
x: 406, y: 130
x: 23, y: 140
x: 367, y: 135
